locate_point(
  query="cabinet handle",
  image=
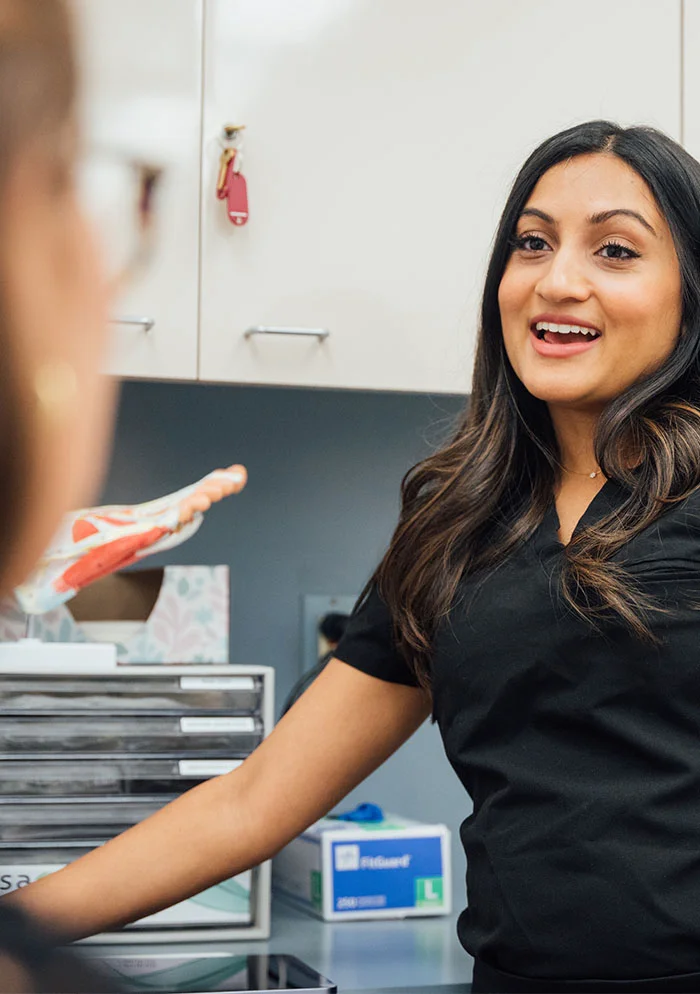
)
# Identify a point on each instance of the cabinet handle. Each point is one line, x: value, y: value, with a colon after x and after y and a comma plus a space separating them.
x: 145, y: 323
x: 320, y: 333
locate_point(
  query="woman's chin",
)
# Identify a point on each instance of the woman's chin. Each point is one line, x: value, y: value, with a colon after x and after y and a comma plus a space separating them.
x: 564, y: 392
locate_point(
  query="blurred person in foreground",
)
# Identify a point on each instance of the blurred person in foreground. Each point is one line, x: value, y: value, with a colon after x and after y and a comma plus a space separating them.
x: 55, y: 408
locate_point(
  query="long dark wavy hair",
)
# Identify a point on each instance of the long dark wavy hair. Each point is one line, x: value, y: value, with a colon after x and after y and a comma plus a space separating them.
x: 466, y: 508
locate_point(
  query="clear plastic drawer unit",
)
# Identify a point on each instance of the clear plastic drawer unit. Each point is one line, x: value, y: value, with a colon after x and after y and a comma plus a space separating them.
x: 156, y: 735
x: 58, y: 819
x: 85, y: 755
x: 110, y: 775
x: 235, y: 695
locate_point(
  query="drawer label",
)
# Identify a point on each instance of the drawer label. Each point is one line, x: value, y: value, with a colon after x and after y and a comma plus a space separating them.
x: 213, y: 725
x: 14, y: 877
x: 217, y: 683
x: 207, y: 767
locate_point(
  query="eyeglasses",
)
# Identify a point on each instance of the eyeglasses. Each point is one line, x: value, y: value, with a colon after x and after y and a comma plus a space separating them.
x: 119, y: 196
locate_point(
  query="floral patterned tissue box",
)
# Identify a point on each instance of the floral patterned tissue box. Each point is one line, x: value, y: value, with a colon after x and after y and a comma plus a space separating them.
x: 177, y: 614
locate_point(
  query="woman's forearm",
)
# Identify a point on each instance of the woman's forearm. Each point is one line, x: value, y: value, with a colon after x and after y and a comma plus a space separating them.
x: 194, y: 842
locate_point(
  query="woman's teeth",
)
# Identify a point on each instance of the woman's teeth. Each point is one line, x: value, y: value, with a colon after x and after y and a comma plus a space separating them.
x: 546, y: 329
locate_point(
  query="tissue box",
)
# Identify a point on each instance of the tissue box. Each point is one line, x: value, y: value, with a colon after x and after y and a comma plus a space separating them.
x: 176, y: 614
x: 394, y: 868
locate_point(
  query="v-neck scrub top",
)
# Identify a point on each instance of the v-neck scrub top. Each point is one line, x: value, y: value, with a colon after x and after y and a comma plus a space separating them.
x: 581, y: 752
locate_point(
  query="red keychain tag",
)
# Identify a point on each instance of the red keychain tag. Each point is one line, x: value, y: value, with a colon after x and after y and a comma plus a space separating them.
x: 237, y: 195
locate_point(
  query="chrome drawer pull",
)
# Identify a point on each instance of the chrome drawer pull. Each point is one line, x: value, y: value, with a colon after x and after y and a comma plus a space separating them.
x: 145, y: 323
x: 320, y: 333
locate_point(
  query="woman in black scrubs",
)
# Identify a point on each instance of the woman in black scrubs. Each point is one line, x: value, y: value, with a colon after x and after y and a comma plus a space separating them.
x: 545, y: 578
x: 539, y: 598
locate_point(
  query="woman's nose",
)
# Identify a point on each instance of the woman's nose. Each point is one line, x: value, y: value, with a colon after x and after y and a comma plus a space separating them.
x: 564, y: 277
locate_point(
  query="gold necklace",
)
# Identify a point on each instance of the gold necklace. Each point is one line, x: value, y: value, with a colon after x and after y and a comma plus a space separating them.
x: 591, y: 476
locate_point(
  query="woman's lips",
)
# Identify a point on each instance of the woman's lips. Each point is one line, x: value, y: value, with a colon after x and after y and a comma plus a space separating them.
x: 560, y: 351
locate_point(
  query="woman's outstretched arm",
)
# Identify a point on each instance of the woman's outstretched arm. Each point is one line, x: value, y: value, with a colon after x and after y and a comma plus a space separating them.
x: 337, y: 733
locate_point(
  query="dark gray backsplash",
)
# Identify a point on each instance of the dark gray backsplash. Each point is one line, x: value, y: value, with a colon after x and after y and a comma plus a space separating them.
x: 321, y: 503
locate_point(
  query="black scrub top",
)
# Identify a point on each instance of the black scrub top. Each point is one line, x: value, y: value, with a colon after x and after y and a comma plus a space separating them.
x: 580, y: 751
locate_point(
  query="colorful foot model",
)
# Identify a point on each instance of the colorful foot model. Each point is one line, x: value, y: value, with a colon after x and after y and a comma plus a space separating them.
x: 94, y: 542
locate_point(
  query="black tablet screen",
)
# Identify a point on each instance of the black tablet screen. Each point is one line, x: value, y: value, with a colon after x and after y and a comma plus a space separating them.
x: 176, y: 973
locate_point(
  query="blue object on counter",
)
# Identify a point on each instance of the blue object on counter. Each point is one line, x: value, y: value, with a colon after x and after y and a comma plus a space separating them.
x: 363, y: 812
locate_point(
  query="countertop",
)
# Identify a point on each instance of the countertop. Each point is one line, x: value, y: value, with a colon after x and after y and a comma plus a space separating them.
x: 418, y: 955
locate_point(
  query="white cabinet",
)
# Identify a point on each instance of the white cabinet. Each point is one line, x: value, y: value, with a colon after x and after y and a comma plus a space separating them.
x: 381, y: 140
x: 142, y: 69
x: 691, y: 77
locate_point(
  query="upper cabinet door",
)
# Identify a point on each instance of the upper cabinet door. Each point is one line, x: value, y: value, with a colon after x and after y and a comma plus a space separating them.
x: 381, y: 140
x: 142, y: 72
x: 691, y: 77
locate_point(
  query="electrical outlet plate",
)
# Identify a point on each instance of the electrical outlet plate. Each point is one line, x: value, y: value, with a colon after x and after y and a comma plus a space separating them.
x: 313, y: 608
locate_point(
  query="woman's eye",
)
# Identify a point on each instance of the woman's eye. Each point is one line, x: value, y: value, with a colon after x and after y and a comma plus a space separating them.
x: 616, y: 251
x: 530, y: 243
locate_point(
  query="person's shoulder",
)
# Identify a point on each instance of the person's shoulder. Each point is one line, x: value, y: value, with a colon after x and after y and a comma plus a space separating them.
x: 670, y: 540
x: 369, y: 642
x: 681, y: 518
x: 688, y: 506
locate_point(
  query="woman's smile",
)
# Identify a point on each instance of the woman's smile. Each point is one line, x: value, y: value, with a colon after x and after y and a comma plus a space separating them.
x: 561, y: 336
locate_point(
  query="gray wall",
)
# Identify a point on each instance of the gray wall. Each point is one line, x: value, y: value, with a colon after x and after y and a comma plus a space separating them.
x: 324, y: 473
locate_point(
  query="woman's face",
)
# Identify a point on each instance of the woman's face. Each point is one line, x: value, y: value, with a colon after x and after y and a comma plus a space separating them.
x: 592, y: 250
x: 56, y: 300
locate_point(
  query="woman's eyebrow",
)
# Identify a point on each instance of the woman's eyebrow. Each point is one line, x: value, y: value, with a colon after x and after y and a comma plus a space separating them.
x: 599, y: 218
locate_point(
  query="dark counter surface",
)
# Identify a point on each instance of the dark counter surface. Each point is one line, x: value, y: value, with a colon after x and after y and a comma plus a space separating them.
x: 441, y: 989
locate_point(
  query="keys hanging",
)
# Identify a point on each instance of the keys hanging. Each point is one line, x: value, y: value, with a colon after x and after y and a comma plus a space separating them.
x: 227, y: 157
